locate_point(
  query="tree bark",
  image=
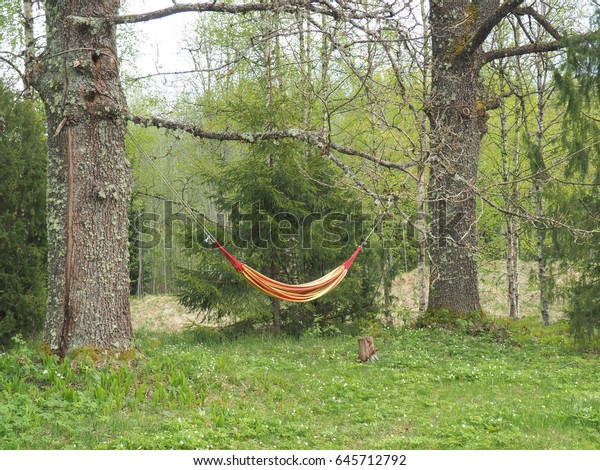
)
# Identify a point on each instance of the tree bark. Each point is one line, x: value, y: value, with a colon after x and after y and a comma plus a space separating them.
x: 366, y: 349
x: 29, y: 48
x: 456, y: 130
x: 510, y: 169
x: 89, y: 180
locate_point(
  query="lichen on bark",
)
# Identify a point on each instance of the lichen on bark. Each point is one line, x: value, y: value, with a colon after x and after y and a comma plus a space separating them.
x: 88, y: 286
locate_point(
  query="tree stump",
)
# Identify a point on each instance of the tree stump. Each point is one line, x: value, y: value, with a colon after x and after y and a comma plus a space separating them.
x: 366, y: 349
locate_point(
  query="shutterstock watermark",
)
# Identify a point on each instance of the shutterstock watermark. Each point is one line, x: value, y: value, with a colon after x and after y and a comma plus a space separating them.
x: 258, y: 228
x: 254, y: 227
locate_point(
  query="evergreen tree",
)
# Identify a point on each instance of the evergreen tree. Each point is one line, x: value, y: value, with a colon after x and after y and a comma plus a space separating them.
x: 289, y: 221
x: 22, y: 218
x: 579, y: 85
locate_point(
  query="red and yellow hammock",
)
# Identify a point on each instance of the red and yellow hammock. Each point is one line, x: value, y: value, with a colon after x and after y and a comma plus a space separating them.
x: 293, y: 293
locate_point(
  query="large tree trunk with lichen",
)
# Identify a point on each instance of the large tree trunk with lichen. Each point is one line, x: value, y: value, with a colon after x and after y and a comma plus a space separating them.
x: 89, y: 180
x: 457, y: 125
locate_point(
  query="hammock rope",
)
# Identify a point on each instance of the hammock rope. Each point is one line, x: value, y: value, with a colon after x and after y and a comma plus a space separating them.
x: 291, y: 292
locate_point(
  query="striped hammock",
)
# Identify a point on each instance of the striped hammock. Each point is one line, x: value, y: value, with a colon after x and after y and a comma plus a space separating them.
x: 293, y: 293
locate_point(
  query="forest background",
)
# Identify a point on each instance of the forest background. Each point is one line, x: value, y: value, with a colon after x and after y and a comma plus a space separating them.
x: 295, y: 206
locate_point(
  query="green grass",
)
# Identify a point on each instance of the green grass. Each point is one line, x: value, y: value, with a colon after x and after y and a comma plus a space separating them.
x: 429, y: 390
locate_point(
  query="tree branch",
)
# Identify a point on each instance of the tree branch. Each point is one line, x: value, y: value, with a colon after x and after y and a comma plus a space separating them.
x: 179, y: 203
x: 534, y: 48
x: 541, y: 19
x: 16, y: 68
x: 477, y: 39
x: 323, y: 7
x: 301, y: 135
x: 216, y: 7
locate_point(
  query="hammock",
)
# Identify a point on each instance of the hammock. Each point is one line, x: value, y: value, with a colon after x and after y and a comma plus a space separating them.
x: 291, y: 292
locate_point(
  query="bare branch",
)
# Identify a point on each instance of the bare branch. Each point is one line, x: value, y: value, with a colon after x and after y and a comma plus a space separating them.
x: 522, y: 50
x: 535, y: 48
x: 311, y: 138
x: 350, y: 174
x: 536, y: 220
x: 323, y: 7
x: 180, y: 203
x: 377, y: 198
x: 216, y: 7
x: 541, y: 19
x: 13, y: 64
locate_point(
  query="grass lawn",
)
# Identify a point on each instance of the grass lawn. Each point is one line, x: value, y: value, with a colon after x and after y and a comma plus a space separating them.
x: 429, y: 390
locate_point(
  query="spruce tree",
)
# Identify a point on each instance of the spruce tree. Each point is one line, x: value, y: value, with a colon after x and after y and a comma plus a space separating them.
x: 287, y: 219
x: 22, y: 218
x: 579, y: 86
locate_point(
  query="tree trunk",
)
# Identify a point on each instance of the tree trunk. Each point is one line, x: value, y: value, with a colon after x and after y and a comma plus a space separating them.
x: 422, y: 238
x: 366, y: 349
x: 140, y: 280
x: 512, y: 266
x: 275, y: 303
x: 541, y: 259
x: 29, y: 36
x: 509, y: 172
x: 165, y: 262
x: 89, y: 179
x: 456, y: 129
x: 385, y: 267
